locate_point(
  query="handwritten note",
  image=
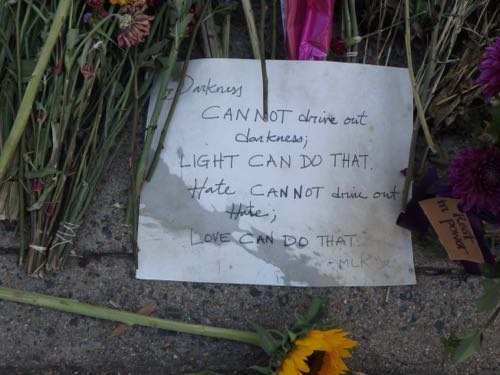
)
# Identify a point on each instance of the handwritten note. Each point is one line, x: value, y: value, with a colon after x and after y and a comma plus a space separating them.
x: 308, y: 198
x: 453, y: 229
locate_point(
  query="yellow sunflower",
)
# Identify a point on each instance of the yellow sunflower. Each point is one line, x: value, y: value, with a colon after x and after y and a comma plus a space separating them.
x: 331, y: 344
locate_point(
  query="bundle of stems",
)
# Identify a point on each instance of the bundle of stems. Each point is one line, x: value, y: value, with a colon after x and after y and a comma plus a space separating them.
x: 213, y: 46
x: 89, y: 89
x: 9, y: 191
x: 452, y: 20
x: 216, y: 37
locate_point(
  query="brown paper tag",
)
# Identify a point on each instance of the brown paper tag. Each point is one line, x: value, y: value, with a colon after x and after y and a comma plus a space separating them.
x: 453, y: 229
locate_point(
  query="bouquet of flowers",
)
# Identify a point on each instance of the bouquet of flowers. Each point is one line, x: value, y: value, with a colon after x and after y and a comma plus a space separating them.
x: 73, y: 74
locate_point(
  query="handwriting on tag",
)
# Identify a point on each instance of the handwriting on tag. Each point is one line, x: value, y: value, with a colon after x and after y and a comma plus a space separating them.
x: 453, y: 229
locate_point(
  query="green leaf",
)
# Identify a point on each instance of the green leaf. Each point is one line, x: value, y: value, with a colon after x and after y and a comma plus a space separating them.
x: 492, y: 130
x: 451, y: 344
x: 72, y: 38
x: 490, y: 297
x: 27, y: 68
x: 47, y: 171
x: 155, y: 49
x: 292, y: 335
x: 267, y: 342
x: 469, y: 345
x: 316, y: 309
x: 262, y: 370
x: 490, y: 271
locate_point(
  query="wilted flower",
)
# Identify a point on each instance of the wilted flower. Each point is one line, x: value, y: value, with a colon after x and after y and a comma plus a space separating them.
x: 135, y: 26
x: 87, y: 71
x: 323, y: 350
x: 474, y: 176
x: 490, y: 70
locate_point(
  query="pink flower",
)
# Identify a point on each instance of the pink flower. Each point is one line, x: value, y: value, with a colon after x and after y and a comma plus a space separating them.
x: 474, y: 176
x: 37, y: 185
x: 87, y: 71
x: 135, y: 26
x: 490, y: 70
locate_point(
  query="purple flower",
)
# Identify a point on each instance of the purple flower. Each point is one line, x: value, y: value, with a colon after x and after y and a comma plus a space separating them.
x: 490, y: 70
x: 474, y: 176
x: 86, y: 17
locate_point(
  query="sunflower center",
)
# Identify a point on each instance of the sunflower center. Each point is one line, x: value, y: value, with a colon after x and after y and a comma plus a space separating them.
x: 315, y: 361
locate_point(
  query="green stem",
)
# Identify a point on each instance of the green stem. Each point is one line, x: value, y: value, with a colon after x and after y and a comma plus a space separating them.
x: 75, y: 307
x: 163, y: 134
x: 132, y: 209
x: 265, y: 81
x: 348, y: 25
x: 252, y: 29
x: 226, y: 36
x: 141, y: 166
x: 354, y: 29
x: 416, y: 95
x: 29, y: 96
x: 275, y: 30
x: 20, y: 161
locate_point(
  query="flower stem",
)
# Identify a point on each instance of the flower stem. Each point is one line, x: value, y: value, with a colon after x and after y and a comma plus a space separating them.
x: 180, y: 85
x: 354, y: 30
x: 265, y: 81
x: 275, y: 29
x: 226, y: 34
x: 29, y: 96
x: 416, y: 95
x: 75, y: 307
x: 252, y: 29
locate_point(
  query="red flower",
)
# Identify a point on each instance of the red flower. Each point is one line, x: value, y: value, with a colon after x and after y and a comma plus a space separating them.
x: 58, y: 68
x: 37, y: 185
x: 51, y: 210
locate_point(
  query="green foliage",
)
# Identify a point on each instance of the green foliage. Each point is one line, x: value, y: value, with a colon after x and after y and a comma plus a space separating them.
x: 491, y: 296
x: 277, y: 344
x: 316, y: 310
x: 490, y: 271
x: 262, y: 370
x: 492, y: 130
x: 450, y: 344
x: 467, y: 346
x: 463, y: 348
x: 267, y: 342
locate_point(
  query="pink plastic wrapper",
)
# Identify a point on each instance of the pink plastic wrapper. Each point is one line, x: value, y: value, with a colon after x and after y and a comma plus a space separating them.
x: 308, y: 28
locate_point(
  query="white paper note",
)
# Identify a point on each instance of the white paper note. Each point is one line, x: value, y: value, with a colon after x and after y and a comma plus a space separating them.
x: 308, y: 198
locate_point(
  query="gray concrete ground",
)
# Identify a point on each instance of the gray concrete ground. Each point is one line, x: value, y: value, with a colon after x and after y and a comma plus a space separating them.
x: 399, y: 328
